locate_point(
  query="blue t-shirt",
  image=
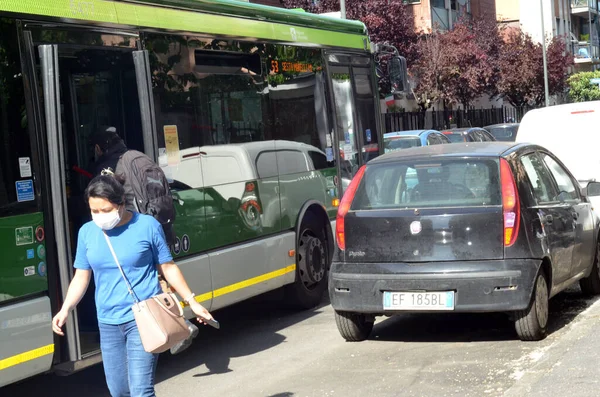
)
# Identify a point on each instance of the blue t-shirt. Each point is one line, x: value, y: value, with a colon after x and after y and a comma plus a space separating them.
x: 140, y: 246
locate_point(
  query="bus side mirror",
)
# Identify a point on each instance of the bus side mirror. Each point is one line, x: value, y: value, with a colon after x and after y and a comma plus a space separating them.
x: 398, y: 74
x: 593, y: 189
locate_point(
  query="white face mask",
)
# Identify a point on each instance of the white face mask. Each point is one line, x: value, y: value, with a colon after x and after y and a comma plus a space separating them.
x: 107, y: 220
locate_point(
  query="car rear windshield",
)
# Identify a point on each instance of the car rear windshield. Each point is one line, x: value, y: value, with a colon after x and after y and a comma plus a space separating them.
x: 455, y: 137
x: 394, y: 144
x: 504, y: 134
x: 429, y: 184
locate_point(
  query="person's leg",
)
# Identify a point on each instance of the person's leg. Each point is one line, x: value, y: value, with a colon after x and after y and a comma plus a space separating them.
x: 142, y: 365
x: 114, y: 359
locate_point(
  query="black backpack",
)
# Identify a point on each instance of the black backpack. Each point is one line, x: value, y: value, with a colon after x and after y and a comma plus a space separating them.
x: 147, y: 188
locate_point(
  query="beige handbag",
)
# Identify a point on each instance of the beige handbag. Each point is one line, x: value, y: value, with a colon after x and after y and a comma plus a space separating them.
x: 159, y: 319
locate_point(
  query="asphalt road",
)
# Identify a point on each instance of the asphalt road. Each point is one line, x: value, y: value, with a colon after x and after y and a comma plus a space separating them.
x: 265, y: 350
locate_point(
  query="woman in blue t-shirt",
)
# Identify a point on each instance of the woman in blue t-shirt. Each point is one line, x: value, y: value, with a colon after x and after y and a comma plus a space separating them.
x: 139, y: 243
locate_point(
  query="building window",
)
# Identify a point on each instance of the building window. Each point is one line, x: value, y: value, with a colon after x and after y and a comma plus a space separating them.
x: 411, y: 1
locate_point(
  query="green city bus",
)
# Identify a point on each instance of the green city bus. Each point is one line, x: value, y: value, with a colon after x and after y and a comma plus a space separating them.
x: 259, y: 117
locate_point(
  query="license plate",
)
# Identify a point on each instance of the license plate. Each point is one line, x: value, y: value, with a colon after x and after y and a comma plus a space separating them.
x: 443, y: 300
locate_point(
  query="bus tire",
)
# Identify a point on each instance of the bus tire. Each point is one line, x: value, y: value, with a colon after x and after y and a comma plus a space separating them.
x: 312, y: 265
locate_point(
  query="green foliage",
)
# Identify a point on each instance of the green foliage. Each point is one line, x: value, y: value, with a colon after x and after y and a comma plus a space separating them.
x: 580, y: 88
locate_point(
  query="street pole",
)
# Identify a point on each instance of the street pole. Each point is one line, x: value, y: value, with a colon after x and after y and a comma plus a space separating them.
x: 343, y: 8
x: 546, y: 90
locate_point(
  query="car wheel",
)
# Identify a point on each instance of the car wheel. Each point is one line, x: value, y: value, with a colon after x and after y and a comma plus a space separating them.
x: 312, y: 265
x: 531, y: 323
x: 354, y: 327
x: 591, y: 284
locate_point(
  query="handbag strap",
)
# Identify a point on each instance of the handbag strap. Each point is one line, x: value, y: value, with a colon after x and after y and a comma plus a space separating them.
x: 129, y: 287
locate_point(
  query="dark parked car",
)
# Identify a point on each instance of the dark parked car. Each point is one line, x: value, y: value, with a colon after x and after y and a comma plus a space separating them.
x: 506, y: 132
x: 479, y: 227
x: 471, y: 134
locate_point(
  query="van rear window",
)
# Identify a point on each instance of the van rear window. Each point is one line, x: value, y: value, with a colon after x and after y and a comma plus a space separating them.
x: 445, y: 183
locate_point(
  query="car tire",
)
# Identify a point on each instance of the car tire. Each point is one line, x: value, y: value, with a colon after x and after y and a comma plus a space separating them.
x: 354, y: 327
x: 312, y: 265
x: 531, y: 323
x: 591, y: 284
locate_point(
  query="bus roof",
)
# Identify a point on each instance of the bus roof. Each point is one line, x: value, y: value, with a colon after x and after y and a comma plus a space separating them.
x: 271, y: 14
x: 204, y: 16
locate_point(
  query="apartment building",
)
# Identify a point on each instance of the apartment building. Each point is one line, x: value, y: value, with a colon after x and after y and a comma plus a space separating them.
x: 443, y: 14
x: 576, y: 20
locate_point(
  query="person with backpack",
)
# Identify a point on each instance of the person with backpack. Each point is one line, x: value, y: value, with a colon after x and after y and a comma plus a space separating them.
x: 146, y: 192
x: 146, y: 186
x: 119, y: 245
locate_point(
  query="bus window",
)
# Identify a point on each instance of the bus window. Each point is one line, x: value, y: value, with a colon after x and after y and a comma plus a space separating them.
x: 214, y: 92
x: 20, y: 270
x: 344, y: 111
x: 366, y: 112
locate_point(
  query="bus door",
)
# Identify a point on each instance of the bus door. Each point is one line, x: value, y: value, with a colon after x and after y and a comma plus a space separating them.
x: 351, y: 81
x: 26, y: 339
x: 87, y: 81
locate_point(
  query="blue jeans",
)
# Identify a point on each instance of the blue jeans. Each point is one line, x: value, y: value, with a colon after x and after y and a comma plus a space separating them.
x: 128, y: 368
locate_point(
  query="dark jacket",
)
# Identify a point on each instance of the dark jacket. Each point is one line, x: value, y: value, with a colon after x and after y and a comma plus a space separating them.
x: 110, y: 158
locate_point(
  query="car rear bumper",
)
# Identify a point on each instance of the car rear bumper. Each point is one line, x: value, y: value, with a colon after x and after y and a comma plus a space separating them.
x: 479, y: 286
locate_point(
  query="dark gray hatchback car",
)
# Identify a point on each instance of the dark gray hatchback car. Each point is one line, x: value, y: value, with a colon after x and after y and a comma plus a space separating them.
x: 478, y: 227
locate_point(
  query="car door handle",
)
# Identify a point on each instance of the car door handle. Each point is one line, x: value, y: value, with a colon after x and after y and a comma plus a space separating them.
x: 549, y: 219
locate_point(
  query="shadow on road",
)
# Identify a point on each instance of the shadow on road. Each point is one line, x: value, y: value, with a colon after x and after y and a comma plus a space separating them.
x: 246, y: 328
x: 485, y: 327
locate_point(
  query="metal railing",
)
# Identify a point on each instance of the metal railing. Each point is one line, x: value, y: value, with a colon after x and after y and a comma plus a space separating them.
x: 585, y: 51
x: 442, y: 119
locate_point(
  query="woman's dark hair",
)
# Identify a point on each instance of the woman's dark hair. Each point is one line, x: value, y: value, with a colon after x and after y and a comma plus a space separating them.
x: 108, y: 187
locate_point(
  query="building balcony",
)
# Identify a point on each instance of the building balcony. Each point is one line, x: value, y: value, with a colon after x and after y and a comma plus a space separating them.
x: 586, y: 53
x: 583, y: 7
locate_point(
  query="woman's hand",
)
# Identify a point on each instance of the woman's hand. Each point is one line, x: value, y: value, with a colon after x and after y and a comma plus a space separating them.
x: 58, y: 321
x: 200, y: 312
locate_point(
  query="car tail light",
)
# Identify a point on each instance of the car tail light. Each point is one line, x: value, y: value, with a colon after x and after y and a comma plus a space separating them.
x: 250, y: 197
x: 510, y: 204
x: 345, y: 207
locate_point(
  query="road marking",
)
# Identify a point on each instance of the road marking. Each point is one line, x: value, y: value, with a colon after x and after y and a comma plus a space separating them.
x: 244, y: 284
x: 26, y: 356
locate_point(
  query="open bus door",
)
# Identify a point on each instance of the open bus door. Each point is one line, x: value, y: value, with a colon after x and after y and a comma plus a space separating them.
x: 357, y: 123
x: 86, y: 88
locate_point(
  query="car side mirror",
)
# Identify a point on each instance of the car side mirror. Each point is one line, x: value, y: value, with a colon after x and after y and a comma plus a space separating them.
x: 593, y: 189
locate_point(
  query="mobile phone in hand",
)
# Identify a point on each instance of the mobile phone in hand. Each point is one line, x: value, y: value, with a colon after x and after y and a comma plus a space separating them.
x: 212, y: 323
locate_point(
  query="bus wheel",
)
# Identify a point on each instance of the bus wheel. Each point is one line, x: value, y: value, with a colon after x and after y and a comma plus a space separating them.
x: 312, y: 257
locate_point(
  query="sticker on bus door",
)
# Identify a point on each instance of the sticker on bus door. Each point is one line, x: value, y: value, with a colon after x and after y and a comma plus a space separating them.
x: 25, y: 190
x: 25, y: 167
x: 172, y: 144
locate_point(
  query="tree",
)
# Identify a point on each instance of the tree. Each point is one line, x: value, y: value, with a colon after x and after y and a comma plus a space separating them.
x: 426, y: 72
x: 559, y: 61
x: 580, y: 88
x: 521, y: 77
x: 518, y: 68
x: 469, y: 71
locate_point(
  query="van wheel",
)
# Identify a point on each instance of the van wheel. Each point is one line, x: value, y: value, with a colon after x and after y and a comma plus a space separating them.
x: 591, y: 284
x: 531, y: 323
x: 312, y: 265
x: 354, y: 327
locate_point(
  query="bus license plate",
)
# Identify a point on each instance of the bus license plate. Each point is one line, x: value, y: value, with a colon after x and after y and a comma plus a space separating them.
x: 418, y: 300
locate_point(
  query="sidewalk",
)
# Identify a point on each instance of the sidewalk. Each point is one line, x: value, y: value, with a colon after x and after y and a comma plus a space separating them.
x: 570, y: 366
